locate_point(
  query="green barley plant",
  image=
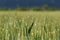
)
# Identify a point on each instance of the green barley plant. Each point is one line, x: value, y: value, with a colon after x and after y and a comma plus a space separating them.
x: 29, y: 26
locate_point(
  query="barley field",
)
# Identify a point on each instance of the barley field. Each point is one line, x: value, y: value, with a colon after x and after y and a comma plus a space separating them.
x: 29, y: 25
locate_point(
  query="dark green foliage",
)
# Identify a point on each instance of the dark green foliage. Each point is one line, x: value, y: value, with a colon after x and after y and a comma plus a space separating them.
x: 23, y: 8
x: 36, y: 9
x: 37, y: 37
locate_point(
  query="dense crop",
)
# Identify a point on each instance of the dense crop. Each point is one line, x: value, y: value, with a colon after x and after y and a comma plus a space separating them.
x: 29, y: 27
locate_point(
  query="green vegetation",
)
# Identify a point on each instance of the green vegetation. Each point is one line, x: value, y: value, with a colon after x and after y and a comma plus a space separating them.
x: 29, y: 25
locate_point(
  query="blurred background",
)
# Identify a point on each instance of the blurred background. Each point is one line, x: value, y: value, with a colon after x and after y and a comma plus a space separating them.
x: 29, y: 3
